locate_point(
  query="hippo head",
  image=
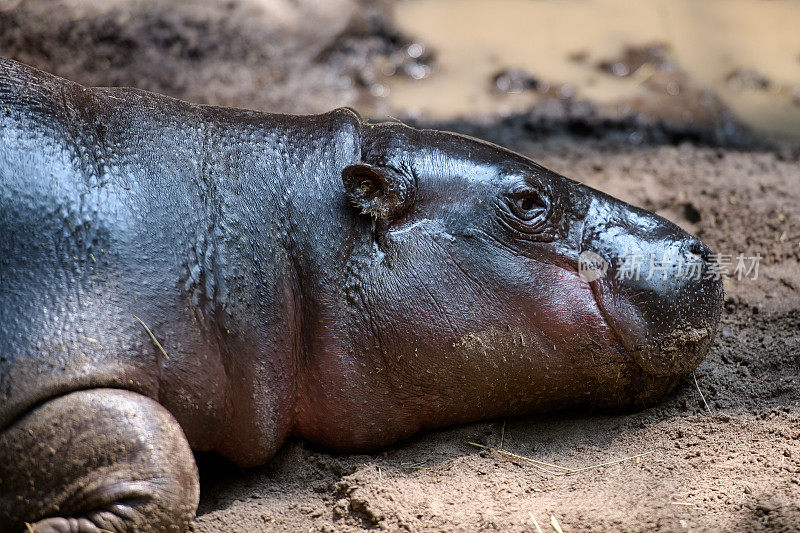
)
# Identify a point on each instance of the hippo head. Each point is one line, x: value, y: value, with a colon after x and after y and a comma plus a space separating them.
x: 481, y: 284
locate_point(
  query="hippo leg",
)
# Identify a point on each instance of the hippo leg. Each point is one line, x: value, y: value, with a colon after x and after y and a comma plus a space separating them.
x: 97, y: 460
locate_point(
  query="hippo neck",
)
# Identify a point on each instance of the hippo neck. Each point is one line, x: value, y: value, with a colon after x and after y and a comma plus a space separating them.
x: 275, y: 219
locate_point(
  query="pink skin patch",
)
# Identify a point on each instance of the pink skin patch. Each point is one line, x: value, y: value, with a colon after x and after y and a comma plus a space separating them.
x: 568, y: 309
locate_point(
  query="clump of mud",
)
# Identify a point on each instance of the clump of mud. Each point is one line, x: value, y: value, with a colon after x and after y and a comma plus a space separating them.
x: 581, y: 119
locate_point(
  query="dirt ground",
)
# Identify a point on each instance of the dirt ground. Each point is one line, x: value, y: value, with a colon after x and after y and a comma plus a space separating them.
x: 726, y: 460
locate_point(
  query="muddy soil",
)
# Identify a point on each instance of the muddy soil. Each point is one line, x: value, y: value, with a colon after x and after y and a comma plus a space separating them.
x: 290, y: 56
x: 720, y: 454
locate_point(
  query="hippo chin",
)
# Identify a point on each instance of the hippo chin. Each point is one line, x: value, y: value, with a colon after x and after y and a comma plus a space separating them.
x: 178, y: 277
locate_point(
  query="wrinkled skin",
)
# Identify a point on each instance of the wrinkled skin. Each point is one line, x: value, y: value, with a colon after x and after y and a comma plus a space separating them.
x: 315, y: 276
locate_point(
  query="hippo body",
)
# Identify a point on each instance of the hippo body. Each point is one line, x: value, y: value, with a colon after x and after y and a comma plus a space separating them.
x: 178, y: 277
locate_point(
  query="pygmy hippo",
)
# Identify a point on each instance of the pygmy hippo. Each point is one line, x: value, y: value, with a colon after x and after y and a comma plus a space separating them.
x: 178, y: 277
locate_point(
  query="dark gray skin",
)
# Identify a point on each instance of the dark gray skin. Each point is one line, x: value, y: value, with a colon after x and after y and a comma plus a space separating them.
x: 308, y: 276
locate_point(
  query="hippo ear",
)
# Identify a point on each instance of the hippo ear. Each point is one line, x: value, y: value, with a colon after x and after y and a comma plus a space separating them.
x: 380, y: 192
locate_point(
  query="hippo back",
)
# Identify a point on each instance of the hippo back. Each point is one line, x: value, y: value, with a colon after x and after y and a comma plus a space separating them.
x: 94, y: 207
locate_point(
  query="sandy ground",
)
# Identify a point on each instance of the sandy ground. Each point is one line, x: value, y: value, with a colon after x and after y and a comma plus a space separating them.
x: 727, y: 460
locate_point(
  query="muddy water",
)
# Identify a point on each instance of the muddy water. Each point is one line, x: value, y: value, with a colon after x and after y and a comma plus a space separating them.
x: 747, y: 52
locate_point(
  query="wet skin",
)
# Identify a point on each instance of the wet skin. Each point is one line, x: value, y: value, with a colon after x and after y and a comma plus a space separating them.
x: 311, y: 276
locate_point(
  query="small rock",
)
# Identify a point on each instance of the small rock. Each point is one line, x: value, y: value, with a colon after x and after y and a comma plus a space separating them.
x: 512, y: 80
x: 745, y: 79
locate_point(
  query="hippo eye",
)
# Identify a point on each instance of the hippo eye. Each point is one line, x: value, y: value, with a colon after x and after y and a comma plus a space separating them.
x: 527, y: 205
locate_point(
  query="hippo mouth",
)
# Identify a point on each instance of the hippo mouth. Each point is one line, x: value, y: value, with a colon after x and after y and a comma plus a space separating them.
x: 670, y: 343
x: 618, y: 332
x: 636, y: 360
x: 580, y: 311
x: 613, y: 329
x: 654, y: 285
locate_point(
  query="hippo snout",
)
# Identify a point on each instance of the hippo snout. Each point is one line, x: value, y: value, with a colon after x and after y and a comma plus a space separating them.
x: 660, y: 290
